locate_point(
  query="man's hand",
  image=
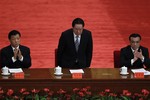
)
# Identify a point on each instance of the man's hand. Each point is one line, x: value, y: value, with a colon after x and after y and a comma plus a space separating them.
x: 138, y: 55
x: 19, y: 54
x: 135, y: 55
x: 15, y: 53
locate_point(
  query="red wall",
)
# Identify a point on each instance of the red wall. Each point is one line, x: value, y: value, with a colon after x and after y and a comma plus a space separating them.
x: 42, y: 21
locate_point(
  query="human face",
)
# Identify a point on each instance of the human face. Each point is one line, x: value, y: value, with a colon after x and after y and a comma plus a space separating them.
x: 77, y: 29
x: 135, y: 42
x: 15, y: 40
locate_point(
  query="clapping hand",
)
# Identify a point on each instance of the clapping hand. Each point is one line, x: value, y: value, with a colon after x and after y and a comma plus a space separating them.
x: 138, y: 54
x: 17, y: 53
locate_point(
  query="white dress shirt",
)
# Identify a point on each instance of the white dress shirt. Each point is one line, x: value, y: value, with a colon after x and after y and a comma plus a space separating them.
x: 79, y: 37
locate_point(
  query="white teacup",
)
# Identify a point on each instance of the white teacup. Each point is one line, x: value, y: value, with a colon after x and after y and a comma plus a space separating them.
x: 123, y: 70
x: 58, y: 70
x: 5, y: 70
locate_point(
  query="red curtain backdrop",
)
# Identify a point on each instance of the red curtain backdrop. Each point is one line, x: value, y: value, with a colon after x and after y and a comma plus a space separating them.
x: 42, y: 21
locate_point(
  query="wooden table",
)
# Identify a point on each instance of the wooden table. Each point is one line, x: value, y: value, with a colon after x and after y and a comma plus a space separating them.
x: 97, y: 78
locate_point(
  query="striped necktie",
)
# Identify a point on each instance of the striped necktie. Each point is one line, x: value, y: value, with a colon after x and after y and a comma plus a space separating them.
x: 77, y: 43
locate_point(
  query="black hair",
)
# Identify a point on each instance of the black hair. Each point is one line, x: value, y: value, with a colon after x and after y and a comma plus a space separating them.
x: 135, y: 35
x: 77, y: 21
x: 13, y: 32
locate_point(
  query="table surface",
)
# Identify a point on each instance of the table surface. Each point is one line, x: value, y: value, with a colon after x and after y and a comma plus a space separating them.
x: 97, y: 78
x: 89, y: 74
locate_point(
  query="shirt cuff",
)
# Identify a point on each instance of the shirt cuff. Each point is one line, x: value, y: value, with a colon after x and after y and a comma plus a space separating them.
x: 132, y: 61
x: 13, y: 59
x: 142, y: 59
x: 21, y: 58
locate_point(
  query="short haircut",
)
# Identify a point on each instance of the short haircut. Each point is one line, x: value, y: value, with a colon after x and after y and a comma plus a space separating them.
x: 135, y: 35
x: 77, y: 21
x: 13, y: 32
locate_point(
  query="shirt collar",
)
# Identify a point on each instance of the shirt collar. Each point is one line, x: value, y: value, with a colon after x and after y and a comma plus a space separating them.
x: 133, y: 49
x: 76, y: 35
x: 14, y: 48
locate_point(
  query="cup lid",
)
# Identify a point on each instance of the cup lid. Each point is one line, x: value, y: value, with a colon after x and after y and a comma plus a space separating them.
x: 5, y: 67
x: 58, y: 67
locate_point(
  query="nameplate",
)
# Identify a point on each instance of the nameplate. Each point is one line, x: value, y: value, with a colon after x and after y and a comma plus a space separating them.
x: 139, y: 75
x: 18, y: 75
x: 76, y: 75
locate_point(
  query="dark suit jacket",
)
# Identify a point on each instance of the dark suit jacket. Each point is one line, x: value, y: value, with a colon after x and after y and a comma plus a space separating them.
x: 7, y: 54
x: 68, y: 57
x: 126, y: 55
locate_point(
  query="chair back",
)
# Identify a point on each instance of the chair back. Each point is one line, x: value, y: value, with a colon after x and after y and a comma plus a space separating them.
x: 56, y: 64
x: 116, y: 55
x: 0, y: 60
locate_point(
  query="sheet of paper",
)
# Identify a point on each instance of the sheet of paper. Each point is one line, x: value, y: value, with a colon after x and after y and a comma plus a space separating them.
x: 147, y: 73
x: 76, y: 71
x: 15, y: 70
x: 138, y: 70
x: 141, y: 70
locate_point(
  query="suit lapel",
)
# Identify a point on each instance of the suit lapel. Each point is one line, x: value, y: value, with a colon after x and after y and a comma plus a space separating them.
x: 71, y: 40
x: 10, y: 50
x: 80, y: 45
x: 81, y: 41
x: 130, y: 52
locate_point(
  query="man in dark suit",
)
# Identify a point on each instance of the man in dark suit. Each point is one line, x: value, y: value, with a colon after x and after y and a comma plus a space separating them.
x: 15, y: 55
x: 134, y: 55
x: 75, y: 46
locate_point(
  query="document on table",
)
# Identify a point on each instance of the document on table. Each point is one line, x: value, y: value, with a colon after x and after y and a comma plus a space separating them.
x: 76, y: 71
x: 15, y: 70
x: 141, y: 70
